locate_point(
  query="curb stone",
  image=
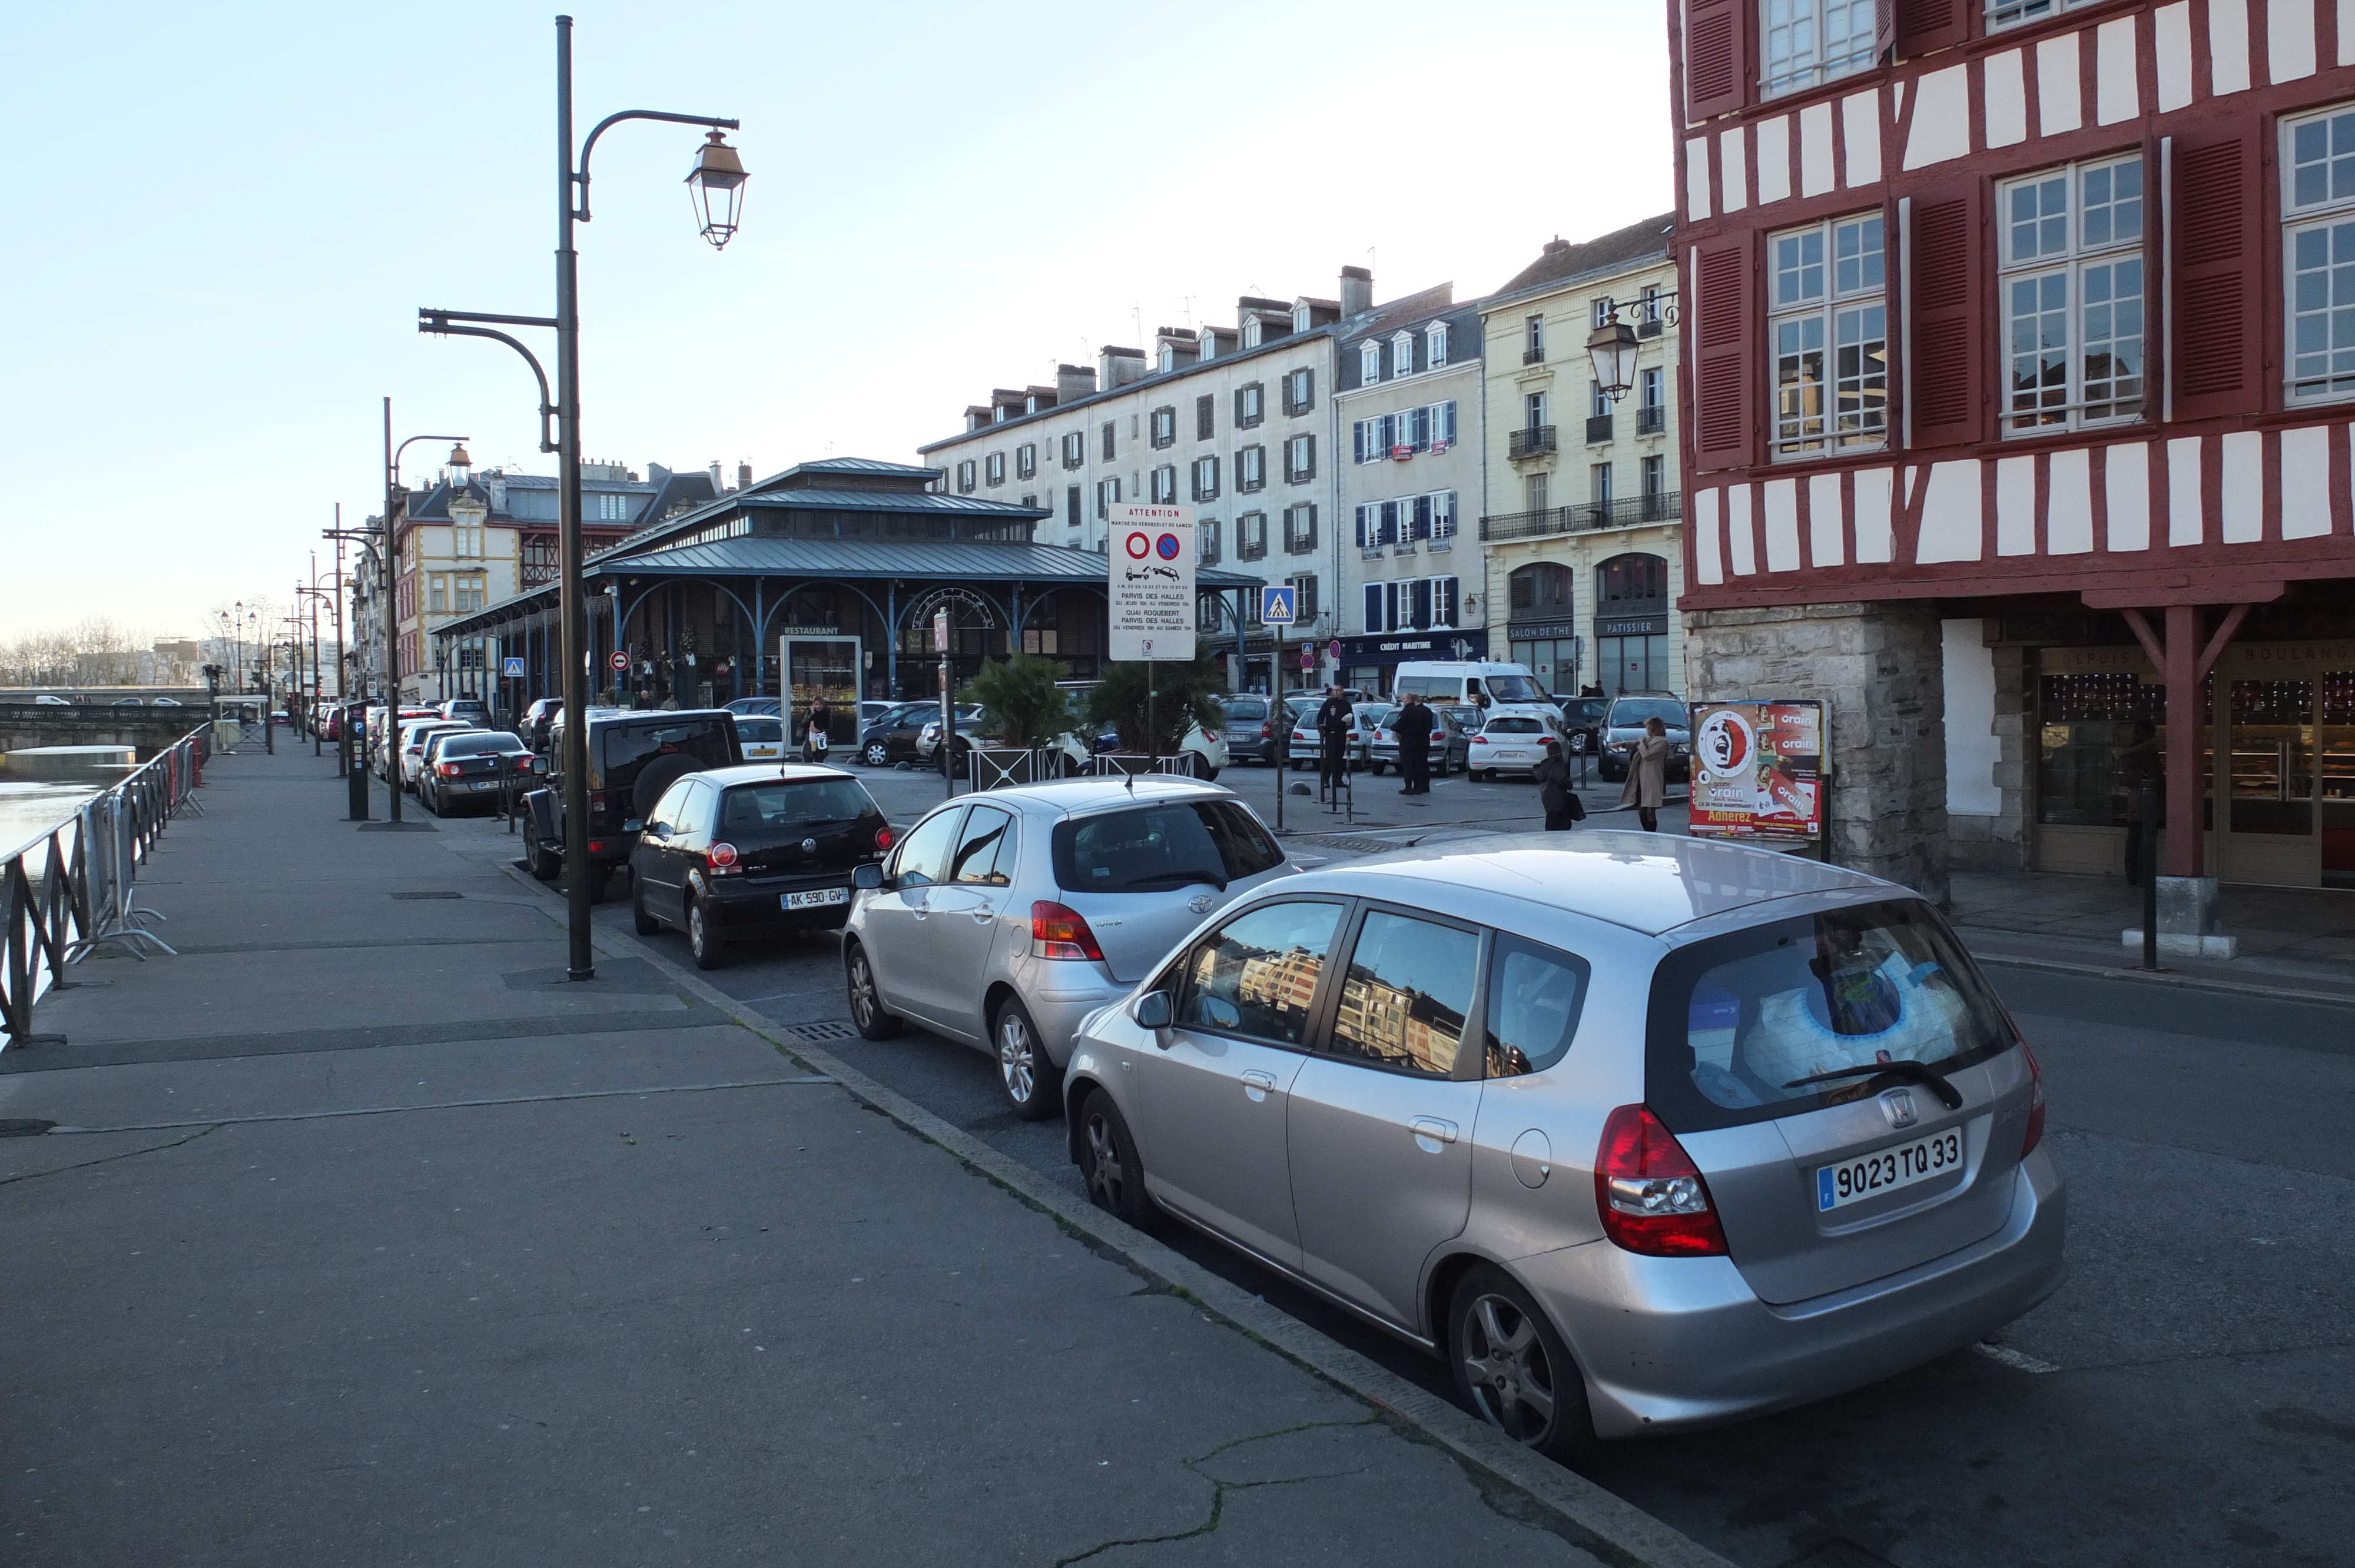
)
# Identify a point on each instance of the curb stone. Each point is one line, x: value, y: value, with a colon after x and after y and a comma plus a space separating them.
x: 1605, y: 1524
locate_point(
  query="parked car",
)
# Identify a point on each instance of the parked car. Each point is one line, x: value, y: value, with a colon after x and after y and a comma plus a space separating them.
x: 892, y: 737
x: 1582, y: 722
x: 769, y: 706
x: 1309, y: 747
x: 130, y: 702
x: 1623, y: 725
x: 731, y: 853
x: 537, y: 719
x: 49, y: 700
x: 975, y: 727
x: 763, y: 739
x: 1250, y: 730
x: 871, y: 709
x: 413, y: 736
x: 1730, y: 1132
x: 1450, y: 740
x: 1510, y: 742
x: 474, y: 767
x: 1003, y: 920
x: 382, y: 732
x: 474, y: 710
x: 1207, y: 745
x: 635, y: 755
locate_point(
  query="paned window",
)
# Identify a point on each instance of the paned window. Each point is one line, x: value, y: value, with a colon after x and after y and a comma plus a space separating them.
x: 1303, y: 597
x: 965, y: 477
x: 1206, y: 546
x: 2070, y: 245
x: 1300, y: 460
x: 1165, y: 485
x: 2319, y: 251
x: 1075, y: 450
x: 1251, y: 535
x: 1830, y: 324
x: 1369, y: 362
x: 1110, y: 431
x: 1026, y: 460
x: 1533, y: 341
x: 1251, y: 468
x: 1072, y: 505
x: 1250, y: 405
x: 1300, y: 528
x: 1300, y: 391
x: 1107, y: 496
x: 1165, y: 427
x: 1810, y: 41
x: 1402, y: 355
x: 994, y: 468
x: 2012, y: 12
x: 1435, y: 345
x: 1206, y: 417
x: 1205, y: 479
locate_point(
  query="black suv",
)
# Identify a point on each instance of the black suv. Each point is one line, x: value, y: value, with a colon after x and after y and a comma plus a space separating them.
x: 633, y: 756
x: 536, y: 721
x: 767, y: 849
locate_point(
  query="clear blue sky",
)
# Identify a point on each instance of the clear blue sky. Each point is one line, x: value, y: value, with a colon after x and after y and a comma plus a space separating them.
x: 219, y: 222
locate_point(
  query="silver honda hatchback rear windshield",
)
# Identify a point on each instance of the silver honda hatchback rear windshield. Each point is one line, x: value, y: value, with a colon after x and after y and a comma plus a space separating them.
x: 1738, y: 1020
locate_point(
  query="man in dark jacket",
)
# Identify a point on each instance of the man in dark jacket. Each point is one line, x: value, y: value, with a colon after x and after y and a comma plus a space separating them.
x: 1412, y: 727
x: 1562, y: 804
x: 1333, y: 719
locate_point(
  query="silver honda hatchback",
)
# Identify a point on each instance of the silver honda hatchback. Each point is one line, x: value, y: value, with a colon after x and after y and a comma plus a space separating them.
x: 1637, y: 1133
x: 1003, y: 919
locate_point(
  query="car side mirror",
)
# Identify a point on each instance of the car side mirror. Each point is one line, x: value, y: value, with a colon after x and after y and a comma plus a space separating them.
x: 1152, y: 1011
x: 867, y: 878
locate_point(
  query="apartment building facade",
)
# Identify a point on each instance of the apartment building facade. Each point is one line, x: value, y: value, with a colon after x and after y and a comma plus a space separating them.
x: 1236, y: 422
x: 1583, y: 535
x: 2019, y: 344
x: 1407, y: 476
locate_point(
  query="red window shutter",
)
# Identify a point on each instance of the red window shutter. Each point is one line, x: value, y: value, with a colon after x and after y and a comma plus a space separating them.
x: 1717, y: 57
x: 1950, y: 296
x: 1726, y: 358
x: 2219, y: 358
x: 1926, y: 25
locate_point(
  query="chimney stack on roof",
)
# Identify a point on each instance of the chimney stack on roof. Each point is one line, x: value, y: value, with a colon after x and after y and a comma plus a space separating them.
x: 1073, y: 382
x: 718, y: 485
x: 1356, y: 289
x: 743, y: 476
x: 1119, y: 366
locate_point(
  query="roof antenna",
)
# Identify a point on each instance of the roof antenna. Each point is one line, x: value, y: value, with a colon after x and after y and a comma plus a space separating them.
x: 1131, y: 782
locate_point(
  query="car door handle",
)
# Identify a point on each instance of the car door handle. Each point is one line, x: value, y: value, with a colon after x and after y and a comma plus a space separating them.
x: 1429, y: 1129
x: 1258, y: 1085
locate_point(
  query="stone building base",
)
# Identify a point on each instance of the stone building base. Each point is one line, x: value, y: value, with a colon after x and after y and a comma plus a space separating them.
x: 1878, y: 669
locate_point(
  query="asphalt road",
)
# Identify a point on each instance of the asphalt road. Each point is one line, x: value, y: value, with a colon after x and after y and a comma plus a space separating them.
x: 2187, y: 1397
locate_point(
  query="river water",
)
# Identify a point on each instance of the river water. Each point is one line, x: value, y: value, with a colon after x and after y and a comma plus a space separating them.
x: 28, y: 810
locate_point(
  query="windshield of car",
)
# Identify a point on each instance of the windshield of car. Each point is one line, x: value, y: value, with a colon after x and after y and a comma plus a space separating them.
x: 1587, y: 710
x: 625, y: 750
x: 1737, y: 1021
x: 748, y: 813
x: 1629, y: 713
x: 1468, y: 717
x: 1515, y: 689
x: 760, y: 730
x: 1166, y: 844
x: 1246, y: 707
x: 471, y: 745
x: 1514, y: 724
x: 1448, y: 686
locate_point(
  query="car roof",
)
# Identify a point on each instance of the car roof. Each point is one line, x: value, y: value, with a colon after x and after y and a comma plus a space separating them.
x: 1650, y: 883
x: 652, y: 715
x: 1075, y: 796
x: 770, y: 772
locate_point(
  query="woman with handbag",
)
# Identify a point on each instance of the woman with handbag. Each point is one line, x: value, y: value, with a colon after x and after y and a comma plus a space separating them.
x: 1647, y: 774
x: 1563, y: 809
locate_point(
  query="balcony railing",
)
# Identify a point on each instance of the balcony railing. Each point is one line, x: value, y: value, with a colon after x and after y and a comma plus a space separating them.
x: 1598, y: 428
x: 1534, y: 355
x: 1667, y: 506
x: 1534, y: 441
x: 1651, y: 421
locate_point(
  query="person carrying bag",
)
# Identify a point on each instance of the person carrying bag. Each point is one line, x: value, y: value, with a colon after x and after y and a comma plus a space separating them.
x: 1563, y: 809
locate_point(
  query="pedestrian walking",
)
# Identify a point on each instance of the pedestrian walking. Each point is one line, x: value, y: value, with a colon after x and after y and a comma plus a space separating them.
x: 1563, y: 809
x: 818, y: 731
x: 1412, y: 727
x: 1333, y: 719
x: 1647, y: 789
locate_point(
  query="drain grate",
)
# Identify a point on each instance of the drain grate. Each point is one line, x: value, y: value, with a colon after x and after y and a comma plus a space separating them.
x: 435, y: 893
x: 813, y: 1033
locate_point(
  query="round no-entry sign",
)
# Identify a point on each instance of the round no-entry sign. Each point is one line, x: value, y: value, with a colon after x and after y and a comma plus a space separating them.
x: 619, y: 660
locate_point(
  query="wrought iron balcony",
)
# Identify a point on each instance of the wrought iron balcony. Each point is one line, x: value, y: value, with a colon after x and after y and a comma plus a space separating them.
x: 1534, y: 355
x: 1666, y: 506
x: 1651, y: 421
x: 1533, y: 440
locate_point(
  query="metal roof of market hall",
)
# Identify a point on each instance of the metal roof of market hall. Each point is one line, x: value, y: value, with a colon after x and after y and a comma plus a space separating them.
x: 953, y: 559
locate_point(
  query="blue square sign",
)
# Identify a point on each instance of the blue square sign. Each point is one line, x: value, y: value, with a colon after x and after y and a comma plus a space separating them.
x: 1276, y: 606
x: 511, y: 669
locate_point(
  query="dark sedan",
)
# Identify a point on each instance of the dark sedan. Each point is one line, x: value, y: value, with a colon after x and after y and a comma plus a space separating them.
x: 892, y: 738
x: 1623, y: 726
x: 467, y: 769
x: 759, y: 850
x: 1581, y: 720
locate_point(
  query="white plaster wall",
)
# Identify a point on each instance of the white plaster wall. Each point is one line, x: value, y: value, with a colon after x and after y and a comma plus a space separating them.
x: 1972, y: 750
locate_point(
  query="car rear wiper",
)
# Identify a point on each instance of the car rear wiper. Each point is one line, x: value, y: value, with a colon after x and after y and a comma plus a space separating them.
x: 1179, y: 879
x: 1912, y: 1072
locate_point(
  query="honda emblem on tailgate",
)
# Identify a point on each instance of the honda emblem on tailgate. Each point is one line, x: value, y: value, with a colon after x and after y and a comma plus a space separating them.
x: 1898, y: 1105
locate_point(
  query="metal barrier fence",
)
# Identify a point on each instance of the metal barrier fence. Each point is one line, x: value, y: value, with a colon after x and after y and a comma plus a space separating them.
x: 75, y: 889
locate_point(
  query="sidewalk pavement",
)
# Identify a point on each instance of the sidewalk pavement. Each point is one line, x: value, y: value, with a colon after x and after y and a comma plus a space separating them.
x: 367, y: 1238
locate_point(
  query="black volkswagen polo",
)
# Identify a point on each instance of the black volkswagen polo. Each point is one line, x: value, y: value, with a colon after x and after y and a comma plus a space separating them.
x: 763, y: 849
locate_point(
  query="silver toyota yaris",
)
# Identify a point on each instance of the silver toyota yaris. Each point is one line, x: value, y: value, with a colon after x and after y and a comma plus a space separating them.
x: 1638, y: 1133
x: 1004, y: 917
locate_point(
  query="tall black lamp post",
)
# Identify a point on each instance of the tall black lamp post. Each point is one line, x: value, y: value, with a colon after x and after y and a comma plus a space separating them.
x: 716, y: 187
x: 389, y: 542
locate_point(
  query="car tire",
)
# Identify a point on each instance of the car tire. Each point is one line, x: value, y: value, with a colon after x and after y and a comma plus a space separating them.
x: 542, y: 865
x: 1202, y: 767
x: 867, y: 1013
x: 877, y: 756
x: 1109, y: 1165
x: 1033, y: 1084
x: 1514, y: 1371
x: 703, y: 944
x: 642, y: 919
x: 1378, y: 768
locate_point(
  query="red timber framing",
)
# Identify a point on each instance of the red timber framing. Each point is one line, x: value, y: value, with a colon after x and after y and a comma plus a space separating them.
x: 2221, y: 488
x: 2183, y: 659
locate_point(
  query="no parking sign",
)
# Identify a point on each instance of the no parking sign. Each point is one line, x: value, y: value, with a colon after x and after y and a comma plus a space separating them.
x: 1151, y: 581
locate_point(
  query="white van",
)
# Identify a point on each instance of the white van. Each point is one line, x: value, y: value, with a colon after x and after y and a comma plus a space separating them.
x: 1496, y: 688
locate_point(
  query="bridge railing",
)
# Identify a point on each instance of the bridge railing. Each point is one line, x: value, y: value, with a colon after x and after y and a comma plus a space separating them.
x: 75, y: 888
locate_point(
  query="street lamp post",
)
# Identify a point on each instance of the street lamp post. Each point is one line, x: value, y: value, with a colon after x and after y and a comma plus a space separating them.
x: 394, y: 500
x: 716, y: 187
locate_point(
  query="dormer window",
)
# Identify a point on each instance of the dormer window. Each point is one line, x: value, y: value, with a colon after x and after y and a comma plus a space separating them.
x: 1251, y: 333
x: 1300, y: 318
x: 1369, y: 362
x: 1402, y: 355
x: 1435, y: 345
x: 1168, y: 359
x: 997, y: 414
x: 1208, y: 346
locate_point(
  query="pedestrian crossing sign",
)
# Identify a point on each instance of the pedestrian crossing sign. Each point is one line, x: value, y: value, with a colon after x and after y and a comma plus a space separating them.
x: 512, y: 668
x: 1276, y: 605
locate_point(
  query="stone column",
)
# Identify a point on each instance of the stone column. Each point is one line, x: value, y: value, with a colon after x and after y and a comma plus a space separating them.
x: 1876, y: 668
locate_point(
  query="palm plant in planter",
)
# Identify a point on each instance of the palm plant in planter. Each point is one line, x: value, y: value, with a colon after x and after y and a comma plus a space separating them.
x: 1027, y: 710
x: 1169, y: 697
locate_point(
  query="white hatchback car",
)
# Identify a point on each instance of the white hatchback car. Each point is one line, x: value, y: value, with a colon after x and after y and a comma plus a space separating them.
x: 1004, y: 917
x: 1513, y: 743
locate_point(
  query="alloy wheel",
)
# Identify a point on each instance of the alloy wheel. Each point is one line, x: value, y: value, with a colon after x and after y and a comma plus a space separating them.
x: 698, y: 937
x: 878, y: 754
x: 1107, y: 1177
x: 1017, y: 1061
x: 1506, y: 1364
x: 862, y: 990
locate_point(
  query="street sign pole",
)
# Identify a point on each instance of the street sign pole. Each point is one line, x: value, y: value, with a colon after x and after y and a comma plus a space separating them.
x: 1279, y: 608
x: 948, y: 704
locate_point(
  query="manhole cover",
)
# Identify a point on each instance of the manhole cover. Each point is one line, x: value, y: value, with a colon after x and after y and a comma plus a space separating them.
x: 811, y: 1033
x: 436, y: 894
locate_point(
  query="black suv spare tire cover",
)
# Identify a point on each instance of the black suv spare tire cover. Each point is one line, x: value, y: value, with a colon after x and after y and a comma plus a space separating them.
x: 655, y: 778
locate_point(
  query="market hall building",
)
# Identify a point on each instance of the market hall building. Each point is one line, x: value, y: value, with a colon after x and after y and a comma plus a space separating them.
x: 2020, y: 352
x: 823, y: 580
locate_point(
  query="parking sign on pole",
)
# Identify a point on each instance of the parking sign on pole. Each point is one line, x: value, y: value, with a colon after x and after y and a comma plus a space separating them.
x: 1151, y: 581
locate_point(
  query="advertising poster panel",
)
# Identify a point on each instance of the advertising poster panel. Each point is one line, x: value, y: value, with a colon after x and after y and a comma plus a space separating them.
x: 1151, y: 564
x: 1757, y: 771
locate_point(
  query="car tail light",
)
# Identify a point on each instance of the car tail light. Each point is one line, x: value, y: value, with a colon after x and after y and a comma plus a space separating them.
x: 450, y: 771
x: 883, y: 838
x: 1264, y: 732
x: 2035, y: 1102
x: 721, y: 858
x: 1479, y: 740
x: 1649, y: 1193
x: 596, y: 846
x: 1058, y: 931
x: 596, y: 802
